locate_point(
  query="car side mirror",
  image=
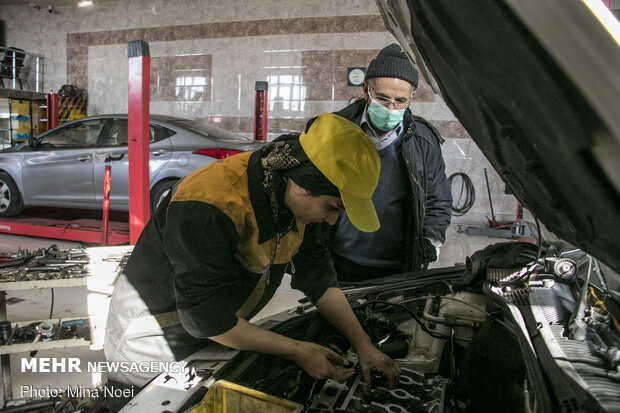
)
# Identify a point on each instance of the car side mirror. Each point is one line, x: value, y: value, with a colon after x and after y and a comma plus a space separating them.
x: 32, y: 142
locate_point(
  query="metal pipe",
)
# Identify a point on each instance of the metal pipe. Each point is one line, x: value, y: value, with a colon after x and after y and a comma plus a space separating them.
x: 489, y: 192
x: 576, y: 325
x: 426, y: 315
x: 37, y: 73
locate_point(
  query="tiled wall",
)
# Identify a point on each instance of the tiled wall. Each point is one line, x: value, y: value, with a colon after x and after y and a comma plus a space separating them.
x: 181, y: 78
x: 206, y: 56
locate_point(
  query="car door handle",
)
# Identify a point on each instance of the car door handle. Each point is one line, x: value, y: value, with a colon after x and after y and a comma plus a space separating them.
x: 84, y: 158
x: 159, y: 153
x: 110, y: 157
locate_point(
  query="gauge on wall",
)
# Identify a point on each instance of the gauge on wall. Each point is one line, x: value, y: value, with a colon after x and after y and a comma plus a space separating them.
x: 355, y: 76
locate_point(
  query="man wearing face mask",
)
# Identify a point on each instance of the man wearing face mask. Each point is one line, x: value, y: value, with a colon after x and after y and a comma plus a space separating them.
x: 413, y: 198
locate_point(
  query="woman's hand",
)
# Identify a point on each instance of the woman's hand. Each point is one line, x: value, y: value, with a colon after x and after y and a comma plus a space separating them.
x: 371, y: 359
x: 321, y: 362
x: 318, y: 361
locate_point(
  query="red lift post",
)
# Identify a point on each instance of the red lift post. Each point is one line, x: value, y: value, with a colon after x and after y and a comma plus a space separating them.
x: 138, y: 136
x: 260, y: 111
x: 51, y: 111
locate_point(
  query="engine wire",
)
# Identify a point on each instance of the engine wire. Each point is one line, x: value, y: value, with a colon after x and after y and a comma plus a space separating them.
x: 539, y: 231
x: 413, y: 315
x: 401, y: 289
x: 600, y: 304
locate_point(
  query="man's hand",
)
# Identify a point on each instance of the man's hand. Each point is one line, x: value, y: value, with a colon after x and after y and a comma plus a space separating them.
x: 321, y: 362
x: 371, y: 359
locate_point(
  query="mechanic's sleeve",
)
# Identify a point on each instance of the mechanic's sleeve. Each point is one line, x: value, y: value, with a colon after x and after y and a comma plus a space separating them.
x: 199, y: 241
x: 438, y: 194
x: 313, y: 266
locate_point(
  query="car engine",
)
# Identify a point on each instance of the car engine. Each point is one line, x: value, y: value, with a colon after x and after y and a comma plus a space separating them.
x: 516, y: 329
x: 482, y: 337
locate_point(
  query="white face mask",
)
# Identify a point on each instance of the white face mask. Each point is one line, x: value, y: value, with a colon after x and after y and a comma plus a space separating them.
x: 383, y: 118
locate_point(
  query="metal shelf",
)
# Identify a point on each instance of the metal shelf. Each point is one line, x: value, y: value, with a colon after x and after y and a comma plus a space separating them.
x: 50, y: 344
x: 103, y: 266
x: 35, y: 284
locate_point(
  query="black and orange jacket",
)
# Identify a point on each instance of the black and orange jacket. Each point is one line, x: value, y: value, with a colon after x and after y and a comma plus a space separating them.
x: 212, y: 250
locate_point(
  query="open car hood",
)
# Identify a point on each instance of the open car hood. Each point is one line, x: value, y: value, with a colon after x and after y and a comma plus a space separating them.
x: 540, y: 100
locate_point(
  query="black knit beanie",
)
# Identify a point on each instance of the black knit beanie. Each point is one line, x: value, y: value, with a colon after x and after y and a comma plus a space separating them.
x: 392, y: 62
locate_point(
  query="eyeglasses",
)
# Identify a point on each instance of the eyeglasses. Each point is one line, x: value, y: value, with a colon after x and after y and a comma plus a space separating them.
x: 398, y: 103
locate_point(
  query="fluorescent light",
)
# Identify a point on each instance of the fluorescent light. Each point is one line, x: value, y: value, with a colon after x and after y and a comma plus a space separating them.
x: 85, y: 3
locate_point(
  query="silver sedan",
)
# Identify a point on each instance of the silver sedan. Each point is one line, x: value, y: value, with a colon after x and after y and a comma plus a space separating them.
x: 64, y: 167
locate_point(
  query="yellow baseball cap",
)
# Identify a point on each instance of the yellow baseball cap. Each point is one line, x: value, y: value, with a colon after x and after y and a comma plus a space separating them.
x: 347, y: 158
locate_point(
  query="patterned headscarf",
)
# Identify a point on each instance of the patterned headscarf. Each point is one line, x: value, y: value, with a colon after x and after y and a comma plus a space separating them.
x: 277, y: 157
x: 285, y: 158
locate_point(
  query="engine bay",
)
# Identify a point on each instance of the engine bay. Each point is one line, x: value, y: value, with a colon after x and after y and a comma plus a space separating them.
x: 514, y: 330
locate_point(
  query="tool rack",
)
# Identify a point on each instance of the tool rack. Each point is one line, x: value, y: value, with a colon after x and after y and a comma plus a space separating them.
x: 27, y: 277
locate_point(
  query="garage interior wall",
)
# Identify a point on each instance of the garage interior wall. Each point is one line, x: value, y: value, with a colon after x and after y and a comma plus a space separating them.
x: 206, y: 56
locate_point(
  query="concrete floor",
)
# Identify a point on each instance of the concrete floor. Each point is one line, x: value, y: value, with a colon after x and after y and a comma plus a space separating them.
x: 81, y: 301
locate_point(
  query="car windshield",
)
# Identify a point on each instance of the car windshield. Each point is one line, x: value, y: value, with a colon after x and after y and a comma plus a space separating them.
x: 213, y: 132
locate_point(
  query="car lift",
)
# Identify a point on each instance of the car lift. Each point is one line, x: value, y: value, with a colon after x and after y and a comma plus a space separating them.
x: 103, y: 231
x: 501, y: 229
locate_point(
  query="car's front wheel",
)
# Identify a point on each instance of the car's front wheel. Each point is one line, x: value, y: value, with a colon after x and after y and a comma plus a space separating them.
x: 10, y: 203
x: 159, y: 192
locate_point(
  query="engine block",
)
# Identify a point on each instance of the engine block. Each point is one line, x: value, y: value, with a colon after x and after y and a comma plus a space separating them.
x: 415, y: 392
